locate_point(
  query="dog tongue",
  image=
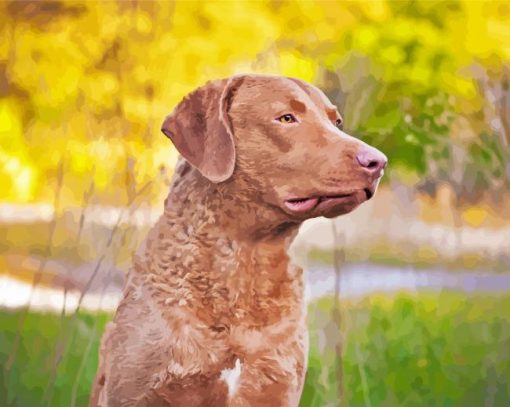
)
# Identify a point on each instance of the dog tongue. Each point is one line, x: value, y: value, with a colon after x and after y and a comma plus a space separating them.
x: 302, y: 205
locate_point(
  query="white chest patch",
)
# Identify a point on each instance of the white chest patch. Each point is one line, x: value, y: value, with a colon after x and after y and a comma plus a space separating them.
x: 231, y: 377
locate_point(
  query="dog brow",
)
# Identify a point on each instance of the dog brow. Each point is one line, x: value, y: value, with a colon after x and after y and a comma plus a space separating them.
x: 298, y: 106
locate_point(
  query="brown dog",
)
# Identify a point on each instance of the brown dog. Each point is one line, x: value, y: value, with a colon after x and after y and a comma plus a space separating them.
x: 213, y: 312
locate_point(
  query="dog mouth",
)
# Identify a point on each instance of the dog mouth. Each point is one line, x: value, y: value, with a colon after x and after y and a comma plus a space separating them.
x: 303, y: 205
x: 369, y: 193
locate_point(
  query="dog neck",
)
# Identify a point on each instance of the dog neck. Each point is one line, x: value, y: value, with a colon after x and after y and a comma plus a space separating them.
x: 220, y: 210
x: 206, y: 245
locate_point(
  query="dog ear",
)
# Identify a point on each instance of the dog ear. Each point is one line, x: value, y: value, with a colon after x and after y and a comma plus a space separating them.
x: 201, y: 130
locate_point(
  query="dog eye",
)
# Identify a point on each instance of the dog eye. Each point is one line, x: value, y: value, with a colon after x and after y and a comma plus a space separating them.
x: 339, y: 123
x: 287, y: 118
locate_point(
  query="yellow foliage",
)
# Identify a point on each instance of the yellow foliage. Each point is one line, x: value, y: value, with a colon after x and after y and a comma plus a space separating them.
x: 486, y: 28
x: 474, y: 216
x: 376, y: 10
x: 19, y: 178
x: 92, y: 82
x: 10, y: 121
x: 293, y: 64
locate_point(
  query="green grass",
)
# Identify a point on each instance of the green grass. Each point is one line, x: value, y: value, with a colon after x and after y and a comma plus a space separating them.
x: 430, y: 349
x: 441, y: 349
x: 44, y: 336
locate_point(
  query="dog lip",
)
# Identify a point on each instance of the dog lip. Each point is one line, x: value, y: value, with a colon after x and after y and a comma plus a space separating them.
x: 329, y: 201
x: 301, y: 205
x: 369, y: 193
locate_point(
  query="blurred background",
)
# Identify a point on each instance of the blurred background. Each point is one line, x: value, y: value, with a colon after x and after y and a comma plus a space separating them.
x: 409, y: 296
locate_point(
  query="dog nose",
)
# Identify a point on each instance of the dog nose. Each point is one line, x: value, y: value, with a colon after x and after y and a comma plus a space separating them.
x: 372, y: 159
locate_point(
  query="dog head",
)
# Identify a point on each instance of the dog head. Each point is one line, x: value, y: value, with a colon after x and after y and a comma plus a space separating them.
x: 282, y: 138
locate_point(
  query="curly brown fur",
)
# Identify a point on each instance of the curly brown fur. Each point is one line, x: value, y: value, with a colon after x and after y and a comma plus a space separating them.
x: 212, y: 291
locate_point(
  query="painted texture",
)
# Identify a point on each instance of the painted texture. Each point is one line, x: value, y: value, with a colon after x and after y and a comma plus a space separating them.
x: 84, y: 88
x: 213, y: 283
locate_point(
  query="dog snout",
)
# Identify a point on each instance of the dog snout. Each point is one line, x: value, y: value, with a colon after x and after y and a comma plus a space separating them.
x: 372, y: 160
